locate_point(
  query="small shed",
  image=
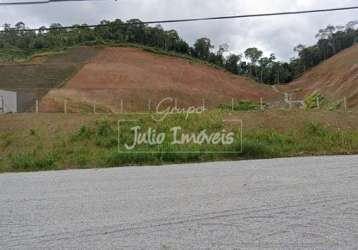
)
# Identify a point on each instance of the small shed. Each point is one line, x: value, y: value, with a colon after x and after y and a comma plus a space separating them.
x: 15, y: 101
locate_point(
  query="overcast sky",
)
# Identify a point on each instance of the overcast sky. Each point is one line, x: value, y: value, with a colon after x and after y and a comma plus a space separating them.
x: 272, y: 34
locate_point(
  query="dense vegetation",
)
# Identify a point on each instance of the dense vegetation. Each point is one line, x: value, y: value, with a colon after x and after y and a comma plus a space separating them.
x: 331, y: 40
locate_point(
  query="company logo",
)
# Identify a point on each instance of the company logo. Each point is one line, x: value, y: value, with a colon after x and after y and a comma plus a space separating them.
x: 179, y: 128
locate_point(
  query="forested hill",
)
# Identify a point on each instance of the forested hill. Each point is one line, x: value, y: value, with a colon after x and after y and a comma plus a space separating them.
x: 17, y: 41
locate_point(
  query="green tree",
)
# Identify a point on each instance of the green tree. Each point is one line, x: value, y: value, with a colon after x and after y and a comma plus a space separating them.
x: 232, y: 63
x: 265, y: 64
x: 253, y: 54
x: 202, y: 48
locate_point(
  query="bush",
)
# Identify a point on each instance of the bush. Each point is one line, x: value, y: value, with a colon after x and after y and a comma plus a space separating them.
x: 5, y: 141
x: 105, y: 134
x: 107, y: 142
x: 311, y: 100
x: 103, y: 128
x: 241, y: 106
x: 315, y: 129
x: 336, y: 106
x: 80, y: 157
x: 84, y: 133
x: 28, y: 161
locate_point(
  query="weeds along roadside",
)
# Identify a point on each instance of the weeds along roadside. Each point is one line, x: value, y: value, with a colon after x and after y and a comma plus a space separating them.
x: 95, y: 144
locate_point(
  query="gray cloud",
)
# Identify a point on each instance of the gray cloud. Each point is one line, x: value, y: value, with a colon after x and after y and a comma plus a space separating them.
x: 272, y: 34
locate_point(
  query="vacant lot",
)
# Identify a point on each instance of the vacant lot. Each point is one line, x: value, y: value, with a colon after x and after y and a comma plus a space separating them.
x: 60, y: 141
x: 137, y: 76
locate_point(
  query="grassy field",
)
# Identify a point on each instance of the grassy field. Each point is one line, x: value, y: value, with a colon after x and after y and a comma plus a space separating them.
x: 31, y: 142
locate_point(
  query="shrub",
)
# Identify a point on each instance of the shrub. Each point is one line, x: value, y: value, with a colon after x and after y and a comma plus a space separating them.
x: 83, y: 134
x: 241, y: 106
x: 103, y: 128
x: 5, y: 141
x: 80, y: 157
x: 312, y: 99
x: 107, y: 142
x: 29, y: 161
x: 337, y: 105
x: 315, y: 129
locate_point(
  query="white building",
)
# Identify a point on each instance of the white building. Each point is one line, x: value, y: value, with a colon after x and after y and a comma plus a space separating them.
x: 15, y: 101
x: 8, y: 101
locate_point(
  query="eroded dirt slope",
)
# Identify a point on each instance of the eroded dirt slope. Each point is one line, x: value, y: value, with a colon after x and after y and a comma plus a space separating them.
x: 335, y: 78
x: 135, y: 76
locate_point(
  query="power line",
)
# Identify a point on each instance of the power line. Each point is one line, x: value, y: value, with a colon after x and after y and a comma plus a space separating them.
x: 201, y: 19
x: 40, y: 2
x: 254, y: 15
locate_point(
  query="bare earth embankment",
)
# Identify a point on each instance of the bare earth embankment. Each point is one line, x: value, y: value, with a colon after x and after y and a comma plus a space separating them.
x: 335, y: 79
x: 135, y: 77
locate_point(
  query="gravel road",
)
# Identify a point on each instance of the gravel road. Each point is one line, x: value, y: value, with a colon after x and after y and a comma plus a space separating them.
x: 273, y: 204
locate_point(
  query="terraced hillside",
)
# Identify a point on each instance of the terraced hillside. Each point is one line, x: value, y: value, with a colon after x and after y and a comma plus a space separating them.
x: 44, y: 72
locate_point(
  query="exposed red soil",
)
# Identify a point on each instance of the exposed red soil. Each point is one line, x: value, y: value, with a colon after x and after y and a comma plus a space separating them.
x: 136, y: 76
x: 335, y: 78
